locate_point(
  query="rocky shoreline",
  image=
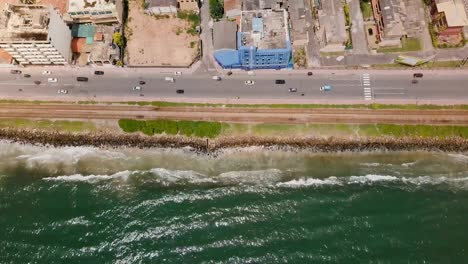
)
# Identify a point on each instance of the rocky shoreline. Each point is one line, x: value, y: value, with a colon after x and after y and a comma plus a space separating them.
x: 61, y: 139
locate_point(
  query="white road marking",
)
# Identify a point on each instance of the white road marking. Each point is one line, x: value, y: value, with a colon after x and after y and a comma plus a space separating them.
x: 366, y: 83
x: 388, y: 93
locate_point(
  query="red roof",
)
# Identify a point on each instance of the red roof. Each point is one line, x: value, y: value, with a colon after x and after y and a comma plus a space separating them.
x: 77, y: 44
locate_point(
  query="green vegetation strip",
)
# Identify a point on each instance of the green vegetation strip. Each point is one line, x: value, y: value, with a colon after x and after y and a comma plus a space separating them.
x: 298, y: 106
x: 309, y: 106
x: 59, y: 125
x: 187, y: 128
x: 214, y: 129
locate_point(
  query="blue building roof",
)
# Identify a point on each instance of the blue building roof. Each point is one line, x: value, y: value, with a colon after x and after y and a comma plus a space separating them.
x: 227, y: 58
x: 83, y: 31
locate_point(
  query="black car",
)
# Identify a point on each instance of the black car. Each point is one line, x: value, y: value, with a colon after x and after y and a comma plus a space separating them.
x: 417, y: 75
x: 310, y: 74
x: 15, y: 72
x: 180, y: 91
x: 280, y: 81
x: 82, y: 79
x: 99, y: 72
x: 142, y: 82
x: 27, y: 76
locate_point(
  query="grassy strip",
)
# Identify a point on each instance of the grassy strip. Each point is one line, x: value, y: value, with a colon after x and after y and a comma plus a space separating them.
x: 345, y: 130
x: 59, y: 125
x: 308, y: 106
x: 187, y: 128
x: 294, y: 106
x: 214, y: 129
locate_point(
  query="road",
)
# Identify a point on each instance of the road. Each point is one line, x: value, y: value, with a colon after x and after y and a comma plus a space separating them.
x: 347, y: 86
x: 223, y: 114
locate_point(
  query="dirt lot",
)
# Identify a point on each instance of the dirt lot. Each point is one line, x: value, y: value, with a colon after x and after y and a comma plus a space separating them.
x: 158, y: 41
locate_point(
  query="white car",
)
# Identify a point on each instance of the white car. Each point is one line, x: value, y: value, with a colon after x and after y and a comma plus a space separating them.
x: 216, y: 78
x: 169, y: 79
x: 61, y: 91
x: 249, y: 82
x: 292, y: 90
x: 136, y: 88
x: 52, y: 80
x: 46, y: 72
x: 178, y: 73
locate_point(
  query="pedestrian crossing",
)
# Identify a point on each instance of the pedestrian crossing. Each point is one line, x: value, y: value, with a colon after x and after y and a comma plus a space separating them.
x: 366, y: 83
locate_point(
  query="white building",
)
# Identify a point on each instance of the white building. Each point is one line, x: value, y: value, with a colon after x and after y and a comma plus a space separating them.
x: 93, y: 11
x: 34, y: 34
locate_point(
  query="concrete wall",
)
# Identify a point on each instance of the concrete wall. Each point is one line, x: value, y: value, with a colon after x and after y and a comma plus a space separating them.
x: 59, y: 34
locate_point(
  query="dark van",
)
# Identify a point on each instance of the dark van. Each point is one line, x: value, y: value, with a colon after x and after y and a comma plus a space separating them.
x: 280, y: 81
x: 82, y: 79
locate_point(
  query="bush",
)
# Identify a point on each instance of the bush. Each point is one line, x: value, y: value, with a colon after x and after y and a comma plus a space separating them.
x: 170, y: 127
x: 118, y: 39
x: 216, y: 9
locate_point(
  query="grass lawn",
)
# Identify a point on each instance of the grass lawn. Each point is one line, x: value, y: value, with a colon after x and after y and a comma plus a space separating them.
x: 428, y: 65
x: 366, y: 9
x: 408, y: 44
x: 215, y: 129
x: 58, y: 125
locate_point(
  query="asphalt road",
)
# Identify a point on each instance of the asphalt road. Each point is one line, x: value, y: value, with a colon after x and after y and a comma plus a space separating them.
x: 116, y: 84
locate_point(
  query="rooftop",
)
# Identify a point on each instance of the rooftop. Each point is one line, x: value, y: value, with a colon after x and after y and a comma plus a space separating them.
x: 24, y: 23
x: 332, y: 18
x: 78, y: 5
x: 392, y: 12
x: 454, y: 12
x: 155, y: 3
x: 250, y: 5
x: 264, y: 29
x: 224, y: 35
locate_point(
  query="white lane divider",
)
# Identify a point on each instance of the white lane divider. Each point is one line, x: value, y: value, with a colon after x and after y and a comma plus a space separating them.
x: 366, y: 83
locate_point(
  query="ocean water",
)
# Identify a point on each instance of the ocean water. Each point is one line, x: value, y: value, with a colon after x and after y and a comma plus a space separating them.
x: 90, y: 205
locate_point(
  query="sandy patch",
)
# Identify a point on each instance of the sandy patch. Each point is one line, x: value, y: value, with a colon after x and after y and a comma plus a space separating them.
x: 153, y: 41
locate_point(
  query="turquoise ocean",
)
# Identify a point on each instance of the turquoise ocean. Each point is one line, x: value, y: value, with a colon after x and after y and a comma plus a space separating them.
x: 251, y: 205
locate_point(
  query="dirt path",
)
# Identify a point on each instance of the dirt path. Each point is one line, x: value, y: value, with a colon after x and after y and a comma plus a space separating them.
x: 241, y: 115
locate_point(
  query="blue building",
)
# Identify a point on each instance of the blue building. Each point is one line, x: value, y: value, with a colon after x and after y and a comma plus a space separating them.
x: 262, y: 42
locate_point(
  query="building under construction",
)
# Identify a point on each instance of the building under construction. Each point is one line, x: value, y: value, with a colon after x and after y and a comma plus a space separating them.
x: 34, y: 34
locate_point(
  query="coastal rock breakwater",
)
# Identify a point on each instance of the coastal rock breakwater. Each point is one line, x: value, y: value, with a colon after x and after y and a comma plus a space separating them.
x: 326, y: 144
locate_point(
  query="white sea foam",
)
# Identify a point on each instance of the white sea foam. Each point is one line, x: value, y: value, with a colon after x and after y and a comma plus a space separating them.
x: 90, y: 178
x: 310, y: 182
x: 251, y: 177
x: 408, y: 164
x: 371, y: 178
x: 177, y: 176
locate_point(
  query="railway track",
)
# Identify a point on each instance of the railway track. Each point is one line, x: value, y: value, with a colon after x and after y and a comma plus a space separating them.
x: 228, y: 114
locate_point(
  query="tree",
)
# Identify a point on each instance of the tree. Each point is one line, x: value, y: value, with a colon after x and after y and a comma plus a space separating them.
x: 118, y: 39
x: 216, y: 9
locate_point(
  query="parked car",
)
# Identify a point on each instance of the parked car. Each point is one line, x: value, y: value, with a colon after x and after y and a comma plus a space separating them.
x: 414, y: 81
x: 216, y: 78
x: 229, y: 73
x: 169, y: 79
x: 249, y: 82
x: 142, y: 82
x: 136, y: 88
x: 15, y: 72
x: 178, y: 73
x: 280, y: 81
x: 325, y: 87
x: 309, y: 74
x: 292, y: 90
x: 27, y: 75
x: 418, y: 75
x: 52, y: 80
x: 37, y: 82
x: 180, y: 91
x: 82, y: 79
x: 62, y: 91
x: 46, y: 73
x: 98, y: 72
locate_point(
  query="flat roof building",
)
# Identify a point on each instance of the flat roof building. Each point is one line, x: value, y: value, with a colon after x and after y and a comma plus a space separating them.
x: 93, y: 11
x: 263, y: 42
x: 34, y: 34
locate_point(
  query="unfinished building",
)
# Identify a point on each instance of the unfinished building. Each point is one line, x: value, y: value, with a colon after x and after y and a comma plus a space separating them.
x: 34, y: 34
